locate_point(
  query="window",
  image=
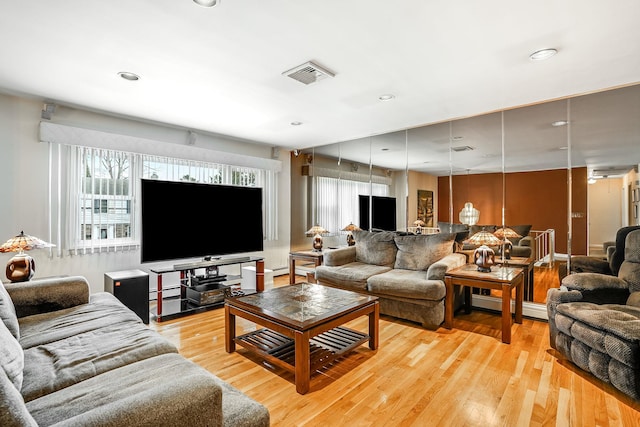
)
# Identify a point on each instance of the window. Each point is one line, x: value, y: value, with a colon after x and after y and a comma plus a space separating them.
x: 103, y: 185
x: 337, y: 200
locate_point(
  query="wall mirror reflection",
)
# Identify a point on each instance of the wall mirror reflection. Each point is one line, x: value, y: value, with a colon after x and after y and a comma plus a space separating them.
x: 513, y: 166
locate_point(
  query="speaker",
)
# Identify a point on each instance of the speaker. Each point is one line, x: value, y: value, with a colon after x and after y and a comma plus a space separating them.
x: 131, y: 287
x: 192, y: 137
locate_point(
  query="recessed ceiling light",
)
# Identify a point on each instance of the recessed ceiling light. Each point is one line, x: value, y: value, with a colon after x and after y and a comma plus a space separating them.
x: 386, y: 97
x: 560, y: 123
x: 384, y: 149
x: 129, y: 76
x: 296, y: 123
x: 207, y: 3
x: 541, y: 54
x: 458, y: 138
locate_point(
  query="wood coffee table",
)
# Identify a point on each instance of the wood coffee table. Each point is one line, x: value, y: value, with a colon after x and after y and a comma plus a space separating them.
x: 302, y: 323
x: 500, y: 278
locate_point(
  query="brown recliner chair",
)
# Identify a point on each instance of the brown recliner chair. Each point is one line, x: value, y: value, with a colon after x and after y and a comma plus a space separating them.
x: 591, y: 264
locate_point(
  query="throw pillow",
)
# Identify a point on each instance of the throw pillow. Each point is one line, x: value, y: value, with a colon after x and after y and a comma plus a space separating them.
x: 11, y: 356
x: 461, y: 230
x: 375, y: 248
x: 420, y: 251
x: 8, y: 313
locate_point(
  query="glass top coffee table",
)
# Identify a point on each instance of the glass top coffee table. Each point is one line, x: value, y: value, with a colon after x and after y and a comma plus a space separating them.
x: 302, y: 326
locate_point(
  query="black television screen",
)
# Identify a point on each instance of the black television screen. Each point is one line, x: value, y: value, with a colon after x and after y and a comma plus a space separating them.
x: 383, y: 212
x: 187, y: 220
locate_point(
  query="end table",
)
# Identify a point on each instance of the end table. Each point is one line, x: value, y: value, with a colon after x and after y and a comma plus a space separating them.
x: 310, y: 256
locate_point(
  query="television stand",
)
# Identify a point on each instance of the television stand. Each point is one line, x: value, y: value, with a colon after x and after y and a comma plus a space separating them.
x: 201, y: 292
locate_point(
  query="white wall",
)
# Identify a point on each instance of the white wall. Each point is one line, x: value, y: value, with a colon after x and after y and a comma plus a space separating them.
x: 605, y: 211
x: 24, y: 185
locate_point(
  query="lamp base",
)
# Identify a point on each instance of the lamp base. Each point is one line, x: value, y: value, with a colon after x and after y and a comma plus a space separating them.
x: 317, y: 243
x: 484, y: 258
x: 20, y: 268
x: 350, y: 240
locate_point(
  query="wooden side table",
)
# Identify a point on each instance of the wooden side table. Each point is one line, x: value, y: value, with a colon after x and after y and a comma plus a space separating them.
x: 500, y: 278
x: 308, y: 256
x: 528, y: 267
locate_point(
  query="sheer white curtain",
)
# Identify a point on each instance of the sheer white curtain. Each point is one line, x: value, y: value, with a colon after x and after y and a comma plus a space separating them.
x: 94, y: 194
x: 337, y: 201
x: 101, y: 200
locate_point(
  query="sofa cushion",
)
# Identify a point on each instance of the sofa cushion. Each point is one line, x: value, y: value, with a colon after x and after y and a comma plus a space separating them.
x: 420, y: 251
x: 57, y: 325
x: 151, y: 392
x: 377, y: 248
x: 352, y: 276
x: 11, y: 356
x: 612, y: 329
x: 52, y: 366
x: 13, y: 411
x: 8, y: 312
x: 411, y: 284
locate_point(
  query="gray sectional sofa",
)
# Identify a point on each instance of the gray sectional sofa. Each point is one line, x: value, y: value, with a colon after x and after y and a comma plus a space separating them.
x: 405, y: 271
x: 74, y: 359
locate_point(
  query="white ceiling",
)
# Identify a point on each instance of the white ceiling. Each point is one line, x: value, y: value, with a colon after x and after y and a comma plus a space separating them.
x: 219, y: 70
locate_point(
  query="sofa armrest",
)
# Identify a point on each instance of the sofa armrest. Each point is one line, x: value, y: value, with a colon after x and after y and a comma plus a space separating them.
x: 590, y: 264
x: 340, y: 256
x: 45, y: 295
x: 555, y: 297
x: 437, y: 270
x: 526, y: 241
x: 597, y: 288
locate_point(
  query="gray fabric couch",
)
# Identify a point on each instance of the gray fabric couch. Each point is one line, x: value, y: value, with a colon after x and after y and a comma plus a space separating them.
x: 594, y: 321
x: 405, y: 271
x: 74, y: 359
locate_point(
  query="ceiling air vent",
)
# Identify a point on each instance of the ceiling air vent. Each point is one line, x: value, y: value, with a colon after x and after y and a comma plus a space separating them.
x: 462, y: 148
x: 610, y: 172
x: 309, y: 72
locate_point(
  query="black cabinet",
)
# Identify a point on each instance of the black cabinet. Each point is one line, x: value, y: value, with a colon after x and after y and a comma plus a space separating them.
x: 131, y: 287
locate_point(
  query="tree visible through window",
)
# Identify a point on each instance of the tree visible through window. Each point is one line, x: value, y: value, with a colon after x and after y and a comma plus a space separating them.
x: 105, y: 196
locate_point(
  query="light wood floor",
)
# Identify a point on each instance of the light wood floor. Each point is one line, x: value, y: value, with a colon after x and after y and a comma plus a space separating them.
x: 417, y: 377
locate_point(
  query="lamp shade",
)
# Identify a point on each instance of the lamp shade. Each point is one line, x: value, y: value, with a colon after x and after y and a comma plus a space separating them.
x: 483, y: 238
x: 316, y: 229
x: 23, y: 242
x: 469, y: 215
x: 351, y: 227
x: 506, y: 232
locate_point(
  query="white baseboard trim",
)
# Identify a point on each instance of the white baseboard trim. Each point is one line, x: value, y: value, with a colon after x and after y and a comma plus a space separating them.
x: 529, y: 309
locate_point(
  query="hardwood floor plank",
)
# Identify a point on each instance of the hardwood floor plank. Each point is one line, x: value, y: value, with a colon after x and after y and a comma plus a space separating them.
x: 460, y: 377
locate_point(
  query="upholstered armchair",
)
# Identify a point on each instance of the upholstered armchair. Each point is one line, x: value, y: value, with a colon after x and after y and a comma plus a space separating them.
x: 594, y: 321
x: 609, y: 265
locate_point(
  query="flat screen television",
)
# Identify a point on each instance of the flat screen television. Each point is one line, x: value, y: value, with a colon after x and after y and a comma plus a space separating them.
x: 383, y: 212
x: 187, y: 220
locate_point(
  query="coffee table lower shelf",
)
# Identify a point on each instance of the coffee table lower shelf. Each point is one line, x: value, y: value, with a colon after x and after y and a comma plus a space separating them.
x: 323, y: 349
